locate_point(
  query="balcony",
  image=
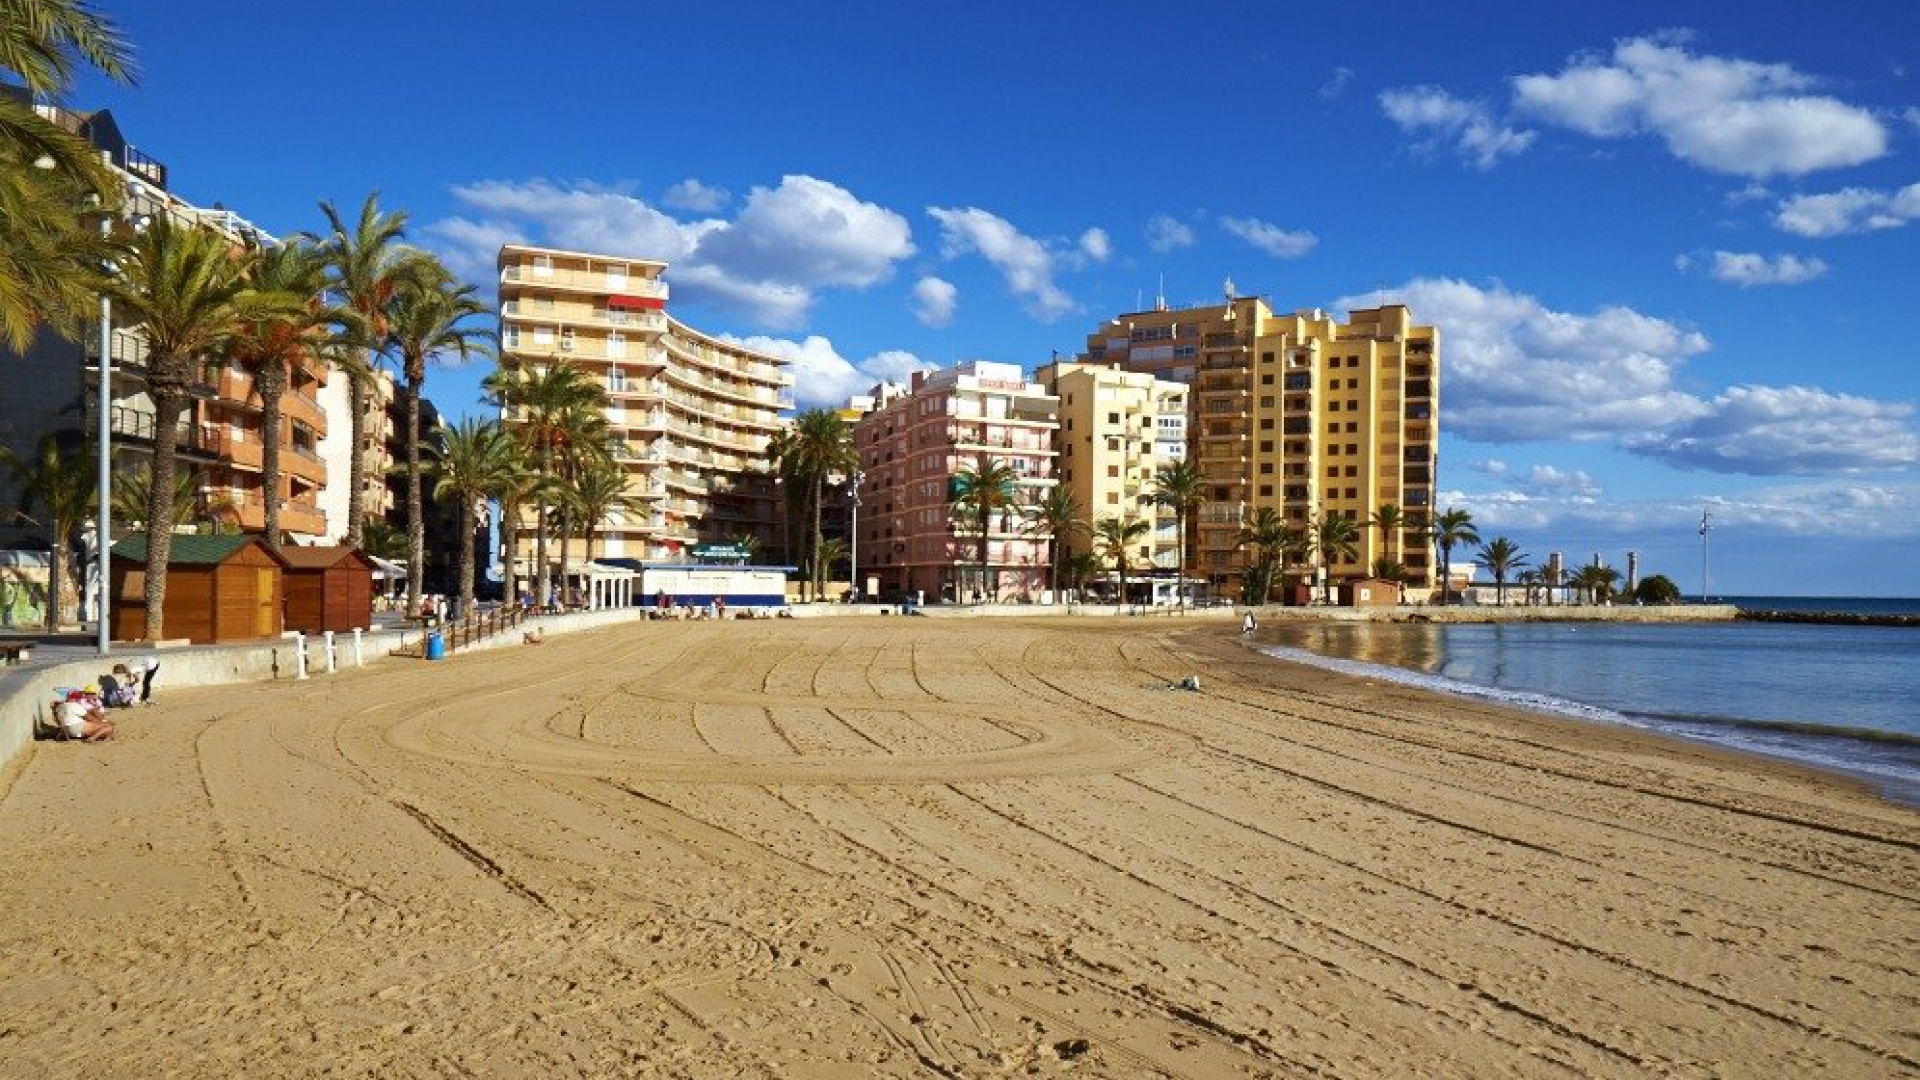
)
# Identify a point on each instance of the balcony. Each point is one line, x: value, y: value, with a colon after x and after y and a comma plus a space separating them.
x: 586, y: 281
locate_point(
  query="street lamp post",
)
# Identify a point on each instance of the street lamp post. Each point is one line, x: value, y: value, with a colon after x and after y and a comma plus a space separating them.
x: 1706, y: 527
x: 103, y: 534
x: 853, y: 533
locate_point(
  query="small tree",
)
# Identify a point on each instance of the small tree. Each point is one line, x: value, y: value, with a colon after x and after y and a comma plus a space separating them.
x: 1658, y: 589
x: 1500, y: 557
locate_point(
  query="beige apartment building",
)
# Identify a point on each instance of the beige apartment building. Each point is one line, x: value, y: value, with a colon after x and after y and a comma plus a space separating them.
x: 691, y: 413
x: 912, y: 442
x: 1301, y: 413
x: 1118, y: 429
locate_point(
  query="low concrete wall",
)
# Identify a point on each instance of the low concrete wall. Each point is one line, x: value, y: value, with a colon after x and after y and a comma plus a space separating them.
x: 28, y: 702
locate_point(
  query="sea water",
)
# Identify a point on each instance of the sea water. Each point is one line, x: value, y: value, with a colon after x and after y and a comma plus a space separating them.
x: 1845, y: 698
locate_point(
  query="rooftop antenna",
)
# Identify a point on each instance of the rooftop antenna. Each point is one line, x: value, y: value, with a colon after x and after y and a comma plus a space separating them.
x: 1139, y: 300
x: 1160, y: 295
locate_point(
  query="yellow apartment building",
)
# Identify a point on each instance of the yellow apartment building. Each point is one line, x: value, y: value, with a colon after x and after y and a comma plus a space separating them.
x: 691, y: 413
x: 1118, y: 429
x: 1301, y: 413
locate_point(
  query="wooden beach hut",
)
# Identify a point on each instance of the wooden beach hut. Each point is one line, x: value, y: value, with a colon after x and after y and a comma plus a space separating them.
x: 219, y: 588
x: 1369, y: 592
x: 328, y: 588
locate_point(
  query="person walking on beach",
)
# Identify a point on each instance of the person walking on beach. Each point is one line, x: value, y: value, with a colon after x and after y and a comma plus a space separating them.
x: 1249, y: 624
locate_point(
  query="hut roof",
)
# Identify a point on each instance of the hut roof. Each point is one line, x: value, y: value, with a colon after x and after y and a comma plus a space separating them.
x: 323, y: 557
x: 190, y: 549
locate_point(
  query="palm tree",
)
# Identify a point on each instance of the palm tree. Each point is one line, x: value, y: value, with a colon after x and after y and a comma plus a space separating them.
x: 1597, y: 581
x: 270, y: 345
x: 1530, y: 579
x: 1389, y: 519
x: 1059, y: 516
x: 425, y: 319
x: 822, y: 445
x: 551, y: 407
x: 1337, y: 539
x: 1500, y: 557
x: 1389, y: 570
x: 188, y: 290
x: 1451, y: 528
x: 783, y: 459
x: 600, y: 489
x: 1078, y: 567
x: 588, y: 445
x: 50, y: 259
x: 979, y: 492
x: 383, y: 540
x: 472, y: 461
x: 67, y: 486
x: 1114, y: 537
x: 370, y: 266
x: 1271, y: 539
x: 1181, y: 486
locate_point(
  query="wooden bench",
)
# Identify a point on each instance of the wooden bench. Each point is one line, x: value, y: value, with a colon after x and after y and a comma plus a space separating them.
x: 15, y: 653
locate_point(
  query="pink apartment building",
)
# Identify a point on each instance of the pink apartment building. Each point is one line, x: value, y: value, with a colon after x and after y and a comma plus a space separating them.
x: 912, y: 441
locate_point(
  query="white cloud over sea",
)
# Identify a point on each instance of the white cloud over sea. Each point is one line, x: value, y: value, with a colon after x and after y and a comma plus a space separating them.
x: 1518, y: 371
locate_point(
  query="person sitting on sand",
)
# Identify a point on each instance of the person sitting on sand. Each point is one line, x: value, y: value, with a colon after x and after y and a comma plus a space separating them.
x: 119, y: 690
x: 532, y: 637
x: 81, y: 716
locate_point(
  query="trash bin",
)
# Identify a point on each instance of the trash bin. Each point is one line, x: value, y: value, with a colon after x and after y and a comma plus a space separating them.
x: 436, y: 646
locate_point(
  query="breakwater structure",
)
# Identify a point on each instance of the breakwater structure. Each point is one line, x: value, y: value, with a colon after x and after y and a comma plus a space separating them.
x: 1828, y: 618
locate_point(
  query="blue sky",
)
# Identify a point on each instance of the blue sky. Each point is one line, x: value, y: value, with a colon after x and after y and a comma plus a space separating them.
x: 1671, y: 247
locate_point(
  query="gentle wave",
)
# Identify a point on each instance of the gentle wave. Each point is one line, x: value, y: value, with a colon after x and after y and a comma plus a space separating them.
x: 1867, y: 754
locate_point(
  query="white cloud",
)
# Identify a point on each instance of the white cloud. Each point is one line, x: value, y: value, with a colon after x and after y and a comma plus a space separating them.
x: 1718, y: 113
x: 1438, y: 119
x: 769, y: 263
x: 1753, y: 192
x: 1095, y: 245
x: 1790, y: 430
x: 691, y: 194
x: 822, y: 377
x: 1802, y: 511
x: 1571, y: 483
x: 1747, y: 269
x: 1024, y: 263
x: 469, y: 248
x: 1166, y: 233
x: 1911, y: 115
x: 1272, y: 239
x: 1849, y: 210
x: 934, y: 300
x: 1514, y: 369
x: 1336, y: 83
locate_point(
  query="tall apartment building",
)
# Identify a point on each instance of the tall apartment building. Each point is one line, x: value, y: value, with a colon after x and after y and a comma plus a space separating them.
x: 912, y: 444
x: 1118, y: 429
x: 380, y: 448
x: 54, y: 387
x: 691, y: 413
x: 1300, y: 413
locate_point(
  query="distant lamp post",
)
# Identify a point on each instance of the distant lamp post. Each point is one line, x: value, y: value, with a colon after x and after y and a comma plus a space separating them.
x: 1706, y: 528
x: 853, y: 532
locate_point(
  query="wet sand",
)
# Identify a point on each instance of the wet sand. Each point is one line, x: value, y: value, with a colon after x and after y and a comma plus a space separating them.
x: 889, y: 847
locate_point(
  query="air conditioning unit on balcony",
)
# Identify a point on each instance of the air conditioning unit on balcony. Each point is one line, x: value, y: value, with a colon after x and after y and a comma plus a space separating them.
x: 566, y: 344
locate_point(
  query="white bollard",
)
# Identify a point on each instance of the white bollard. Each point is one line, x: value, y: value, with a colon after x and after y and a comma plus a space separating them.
x: 328, y: 636
x: 299, y: 656
x: 358, y: 660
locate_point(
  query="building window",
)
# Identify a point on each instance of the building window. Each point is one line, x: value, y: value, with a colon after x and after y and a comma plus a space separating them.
x: 1266, y: 468
x: 1266, y: 423
x: 1352, y: 471
x: 1266, y: 446
x: 1266, y: 491
x: 1113, y: 418
x: 543, y: 266
x: 1266, y: 402
x: 1352, y: 427
x: 1333, y: 472
x: 1266, y: 379
x: 1353, y: 448
x: 1113, y: 470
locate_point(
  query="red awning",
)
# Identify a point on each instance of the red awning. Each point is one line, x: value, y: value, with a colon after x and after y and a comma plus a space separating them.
x: 635, y: 303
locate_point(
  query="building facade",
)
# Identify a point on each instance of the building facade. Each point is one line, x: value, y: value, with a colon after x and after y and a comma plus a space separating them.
x: 691, y: 414
x: 1118, y: 429
x: 913, y: 442
x: 1300, y: 413
x: 54, y: 387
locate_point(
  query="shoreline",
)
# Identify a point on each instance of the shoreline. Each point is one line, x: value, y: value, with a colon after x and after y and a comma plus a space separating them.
x: 1526, y: 705
x: 884, y: 847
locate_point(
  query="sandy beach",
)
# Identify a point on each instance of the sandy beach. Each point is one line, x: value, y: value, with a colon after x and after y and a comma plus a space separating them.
x: 933, y: 847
